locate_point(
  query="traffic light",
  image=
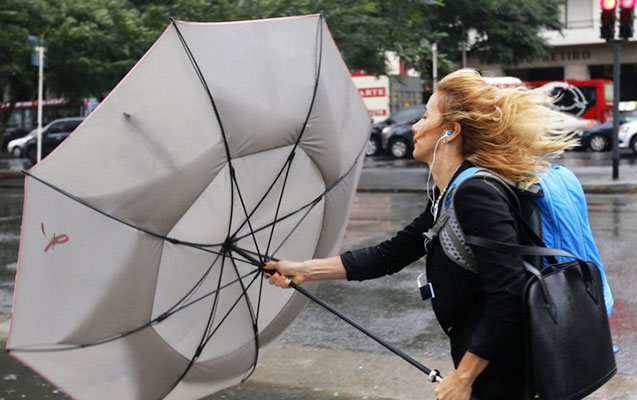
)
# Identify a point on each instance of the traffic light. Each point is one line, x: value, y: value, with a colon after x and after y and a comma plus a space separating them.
x: 608, y: 18
x: 626, y: 11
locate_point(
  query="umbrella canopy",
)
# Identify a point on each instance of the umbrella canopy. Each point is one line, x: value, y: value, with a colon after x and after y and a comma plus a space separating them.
x: 144, y: 234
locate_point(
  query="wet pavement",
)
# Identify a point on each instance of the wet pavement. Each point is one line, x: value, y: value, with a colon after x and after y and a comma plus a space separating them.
x: 321, y: 349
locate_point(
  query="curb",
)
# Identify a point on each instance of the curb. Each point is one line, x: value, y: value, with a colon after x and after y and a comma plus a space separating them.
x: 593, y: 188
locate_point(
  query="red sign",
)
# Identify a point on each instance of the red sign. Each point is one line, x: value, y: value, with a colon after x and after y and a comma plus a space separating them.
x: 377, y: 113
x: 372, y: 92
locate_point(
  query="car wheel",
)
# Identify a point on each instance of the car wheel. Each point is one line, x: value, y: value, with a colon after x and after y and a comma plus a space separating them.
x: 32, y: 154
x: 598, y: 143
x: 16, y: 152
x: 633, y: 144
x: 399, y: 148
x: 373, y: 146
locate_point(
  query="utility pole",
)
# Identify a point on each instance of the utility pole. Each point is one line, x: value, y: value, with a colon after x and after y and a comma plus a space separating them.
x: 607, y: 31
x: 434, y: 65
x: 617, y: 48
x: 463, y: 43
x: 40, y: 51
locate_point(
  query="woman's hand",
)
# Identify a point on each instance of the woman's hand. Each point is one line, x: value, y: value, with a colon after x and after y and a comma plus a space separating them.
x: 319, y: 269
x: 453, y: 388
x: 457, y: 386
x: 286, y: 272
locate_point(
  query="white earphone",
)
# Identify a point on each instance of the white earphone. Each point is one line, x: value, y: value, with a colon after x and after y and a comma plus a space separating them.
x: 447, y: 133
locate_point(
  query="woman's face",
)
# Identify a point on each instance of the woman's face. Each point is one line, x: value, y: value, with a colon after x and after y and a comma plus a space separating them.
x: 427, y: 131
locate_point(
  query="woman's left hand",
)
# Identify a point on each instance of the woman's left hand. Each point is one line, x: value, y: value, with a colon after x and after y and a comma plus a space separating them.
x: 453, y: 388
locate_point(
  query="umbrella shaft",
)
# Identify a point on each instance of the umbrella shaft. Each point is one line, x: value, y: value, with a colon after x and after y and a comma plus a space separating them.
x: 342, y: 316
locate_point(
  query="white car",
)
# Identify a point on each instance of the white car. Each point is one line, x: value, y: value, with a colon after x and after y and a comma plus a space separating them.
x: 16, y: 147
x: 628, y: 136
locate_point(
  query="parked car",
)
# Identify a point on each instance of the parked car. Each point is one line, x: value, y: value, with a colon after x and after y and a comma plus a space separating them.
x: 52, y: 135
x: 406, y: 115
x: 17, y: 147
x: 11, y: 134
x: 600, y: 137
x: 395, y: 137
x: 627, y: 136
x: 373, y: 145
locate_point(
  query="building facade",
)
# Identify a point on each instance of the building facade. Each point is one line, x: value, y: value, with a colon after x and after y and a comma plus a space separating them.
x: 576, y: 53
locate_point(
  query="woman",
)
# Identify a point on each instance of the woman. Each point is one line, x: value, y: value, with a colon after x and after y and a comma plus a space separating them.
x: 467, y: 123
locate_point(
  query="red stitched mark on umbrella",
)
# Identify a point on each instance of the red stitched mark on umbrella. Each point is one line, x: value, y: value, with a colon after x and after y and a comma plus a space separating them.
x: 57, y: 239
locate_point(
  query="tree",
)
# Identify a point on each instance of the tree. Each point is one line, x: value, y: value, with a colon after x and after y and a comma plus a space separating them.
x: 92, y: 44
x: 18, y: 20
x: 507, y: 31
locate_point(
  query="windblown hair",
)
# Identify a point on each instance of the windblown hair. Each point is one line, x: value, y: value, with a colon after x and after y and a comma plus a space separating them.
x: 511, y: 131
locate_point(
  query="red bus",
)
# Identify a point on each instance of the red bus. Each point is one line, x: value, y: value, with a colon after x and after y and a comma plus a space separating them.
x: 589, y: 99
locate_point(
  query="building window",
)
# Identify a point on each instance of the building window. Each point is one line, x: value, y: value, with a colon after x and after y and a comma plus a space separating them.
x: 577, y: 14
x: 537, y: 74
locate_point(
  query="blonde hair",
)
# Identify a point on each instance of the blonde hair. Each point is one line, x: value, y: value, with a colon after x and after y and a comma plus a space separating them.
x: 510, y: 131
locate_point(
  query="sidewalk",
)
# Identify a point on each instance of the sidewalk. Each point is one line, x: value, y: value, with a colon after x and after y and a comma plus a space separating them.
x: 411, y: 176
x: 594, y: 178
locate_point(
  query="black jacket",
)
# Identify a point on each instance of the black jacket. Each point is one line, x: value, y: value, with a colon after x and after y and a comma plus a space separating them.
x: 481, y: 313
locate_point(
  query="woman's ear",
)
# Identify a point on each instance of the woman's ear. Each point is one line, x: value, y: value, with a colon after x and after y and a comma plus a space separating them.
x: 456, y: 130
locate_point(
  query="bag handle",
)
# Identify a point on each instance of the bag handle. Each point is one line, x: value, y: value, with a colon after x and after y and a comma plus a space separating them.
x: 502, y: 247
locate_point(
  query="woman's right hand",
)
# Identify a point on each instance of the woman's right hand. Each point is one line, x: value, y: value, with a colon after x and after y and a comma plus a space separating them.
x: 285, y: 272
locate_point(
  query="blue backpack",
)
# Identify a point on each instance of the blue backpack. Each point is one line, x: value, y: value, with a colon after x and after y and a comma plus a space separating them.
x: 560, y: 219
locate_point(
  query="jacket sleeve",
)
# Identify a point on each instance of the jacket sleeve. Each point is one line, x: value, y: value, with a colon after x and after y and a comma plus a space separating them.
x: 391, y: 255
x: 483, y: 209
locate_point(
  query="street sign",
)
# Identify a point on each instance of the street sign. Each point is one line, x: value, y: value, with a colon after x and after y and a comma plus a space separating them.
x: 35, y: 42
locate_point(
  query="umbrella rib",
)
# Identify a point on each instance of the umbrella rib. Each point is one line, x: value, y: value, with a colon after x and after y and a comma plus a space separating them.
x: 193, y: 61
x: 288, y: 161
x: 293, y: 229
x: 202, y: 79
x: 199, y: 246
x: 278, y: 207
x: 315, y: 200
x: 245, y: 211
x: 199, y: 73
x: 230, y: 310
x: 202, y: 341
x: 255, y: 320
x: 172, y: 310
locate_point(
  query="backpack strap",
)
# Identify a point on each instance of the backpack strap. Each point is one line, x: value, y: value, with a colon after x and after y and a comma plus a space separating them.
x: 447, y: 226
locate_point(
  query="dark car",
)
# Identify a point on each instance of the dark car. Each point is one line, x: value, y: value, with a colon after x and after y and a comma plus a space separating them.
x: 600, y: 137
x: 375, y: 144
x: 52, y: 135
x: 385, y: 132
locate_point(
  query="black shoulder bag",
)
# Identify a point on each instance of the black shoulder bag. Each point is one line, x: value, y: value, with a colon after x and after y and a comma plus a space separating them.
x: 567, y: 335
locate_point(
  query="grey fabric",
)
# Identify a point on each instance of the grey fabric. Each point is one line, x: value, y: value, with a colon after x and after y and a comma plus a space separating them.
x: 152, y: 156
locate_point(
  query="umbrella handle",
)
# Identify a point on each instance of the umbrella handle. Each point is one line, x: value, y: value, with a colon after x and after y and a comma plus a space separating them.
x: 434, y: 374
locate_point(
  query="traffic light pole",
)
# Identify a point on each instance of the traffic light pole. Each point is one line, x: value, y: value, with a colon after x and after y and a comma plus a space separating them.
x: 616, y: 76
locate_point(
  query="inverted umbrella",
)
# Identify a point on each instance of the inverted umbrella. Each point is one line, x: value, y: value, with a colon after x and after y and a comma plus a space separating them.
x: 145, y: 233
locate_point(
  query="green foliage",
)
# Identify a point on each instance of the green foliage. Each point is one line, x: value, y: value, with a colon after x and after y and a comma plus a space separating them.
x: 507, y: 31
x: 93, y: 43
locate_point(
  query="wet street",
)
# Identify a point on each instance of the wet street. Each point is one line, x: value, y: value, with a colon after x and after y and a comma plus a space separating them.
x: 390, y: 307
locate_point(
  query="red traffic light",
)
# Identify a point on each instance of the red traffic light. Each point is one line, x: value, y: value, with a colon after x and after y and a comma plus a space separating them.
x: 627, y: 4
x: 609, y: 5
